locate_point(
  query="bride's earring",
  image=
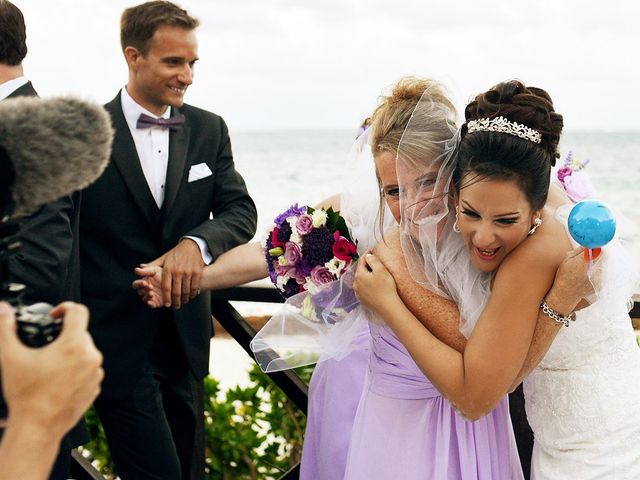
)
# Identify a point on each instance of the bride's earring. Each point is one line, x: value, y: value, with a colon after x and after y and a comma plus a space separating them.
x: 456, y: 227
x: 536, y: 223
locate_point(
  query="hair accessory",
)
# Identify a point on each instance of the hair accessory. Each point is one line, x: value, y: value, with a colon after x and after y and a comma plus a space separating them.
x: 536, y: 223
x: 456, y: 227
x: 502, y: 125
x: 575, y: 180
x: 555, y: 316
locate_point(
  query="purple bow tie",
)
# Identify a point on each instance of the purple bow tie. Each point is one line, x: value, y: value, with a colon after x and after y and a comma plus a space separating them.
x: 174, y: 123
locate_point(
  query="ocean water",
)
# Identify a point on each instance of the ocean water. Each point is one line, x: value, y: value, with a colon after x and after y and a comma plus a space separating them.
x: 281, y: 168
x: 284, y: 167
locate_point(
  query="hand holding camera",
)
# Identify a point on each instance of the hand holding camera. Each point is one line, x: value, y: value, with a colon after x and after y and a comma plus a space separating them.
x: 50, y: 387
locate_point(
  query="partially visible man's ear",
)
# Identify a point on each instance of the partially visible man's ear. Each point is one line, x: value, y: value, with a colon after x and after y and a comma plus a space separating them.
x: 132, y: 54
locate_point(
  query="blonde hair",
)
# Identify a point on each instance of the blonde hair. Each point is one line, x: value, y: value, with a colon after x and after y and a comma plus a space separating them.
x: 433, y: 122
x: 392, y: 115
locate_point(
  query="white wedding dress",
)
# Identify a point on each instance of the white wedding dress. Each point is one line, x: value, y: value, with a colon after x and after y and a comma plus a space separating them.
x: 583, y: 399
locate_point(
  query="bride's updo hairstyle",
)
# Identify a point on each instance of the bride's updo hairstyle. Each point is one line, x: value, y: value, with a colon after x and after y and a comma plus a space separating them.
x: 434, y: 122
x: 498, y: 155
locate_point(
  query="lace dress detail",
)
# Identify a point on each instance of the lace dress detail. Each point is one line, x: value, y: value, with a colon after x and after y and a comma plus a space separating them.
x: 583, y: 399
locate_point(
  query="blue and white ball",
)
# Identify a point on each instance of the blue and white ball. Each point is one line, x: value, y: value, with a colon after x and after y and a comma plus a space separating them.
x: 591, y: 224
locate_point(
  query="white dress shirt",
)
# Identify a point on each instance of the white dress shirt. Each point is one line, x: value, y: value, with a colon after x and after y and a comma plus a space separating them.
x: 152, y: 145
x: 10, y: 86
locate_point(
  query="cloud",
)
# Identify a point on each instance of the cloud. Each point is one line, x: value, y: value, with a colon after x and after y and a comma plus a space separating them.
x: 288, y: 64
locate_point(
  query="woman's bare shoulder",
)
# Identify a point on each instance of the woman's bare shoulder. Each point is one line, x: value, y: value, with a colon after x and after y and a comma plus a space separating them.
x: 547, y: 247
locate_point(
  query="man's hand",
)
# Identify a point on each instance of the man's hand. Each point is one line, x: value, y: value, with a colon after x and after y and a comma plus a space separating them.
x: 181, y: 273
x: 49, y: 388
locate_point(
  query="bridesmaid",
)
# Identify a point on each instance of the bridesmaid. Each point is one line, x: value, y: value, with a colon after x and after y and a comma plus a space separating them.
x: 404, y: 427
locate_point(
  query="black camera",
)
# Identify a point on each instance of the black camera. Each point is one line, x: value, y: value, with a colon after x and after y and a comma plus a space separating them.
x: 36, y: 327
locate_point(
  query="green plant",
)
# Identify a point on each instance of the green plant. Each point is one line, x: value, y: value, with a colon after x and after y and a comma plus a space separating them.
x: 252, y: 432
x: 97, y: 447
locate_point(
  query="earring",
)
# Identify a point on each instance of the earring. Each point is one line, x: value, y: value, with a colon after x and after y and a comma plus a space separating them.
x: 456, y: 227
x: 536, y: 223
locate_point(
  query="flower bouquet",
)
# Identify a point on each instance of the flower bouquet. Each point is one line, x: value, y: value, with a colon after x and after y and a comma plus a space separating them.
x: 308, y: 248
x: 310, y: 257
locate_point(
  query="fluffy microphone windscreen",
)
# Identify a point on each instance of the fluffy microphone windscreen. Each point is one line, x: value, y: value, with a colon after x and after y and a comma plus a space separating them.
x: 56, y: 145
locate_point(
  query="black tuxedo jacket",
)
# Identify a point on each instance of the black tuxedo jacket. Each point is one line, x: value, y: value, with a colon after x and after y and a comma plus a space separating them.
x: 121, y: 226
x: 25, y: 90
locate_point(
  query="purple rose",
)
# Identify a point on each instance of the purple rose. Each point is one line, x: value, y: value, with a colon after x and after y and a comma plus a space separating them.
x: 297, y: 274
x: 321, y: 275
x: 292, y: 253
x: 304, y: 224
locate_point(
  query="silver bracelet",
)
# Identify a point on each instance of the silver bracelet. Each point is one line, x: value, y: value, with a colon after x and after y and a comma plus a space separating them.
x: 555, y: 316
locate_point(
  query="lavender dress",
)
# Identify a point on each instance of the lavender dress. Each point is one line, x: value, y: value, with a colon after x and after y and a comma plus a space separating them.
x: 334, y: 392
x: 336, y: 385
x: 405, y: 429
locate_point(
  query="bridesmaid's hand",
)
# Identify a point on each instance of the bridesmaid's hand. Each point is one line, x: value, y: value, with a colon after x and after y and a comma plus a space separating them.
x: 572, y: 283
x: 373, y: 284
x: 149, y: 287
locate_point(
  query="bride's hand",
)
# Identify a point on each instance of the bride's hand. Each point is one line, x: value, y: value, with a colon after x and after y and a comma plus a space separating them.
x: 373, y: 284
x: 149, y: 286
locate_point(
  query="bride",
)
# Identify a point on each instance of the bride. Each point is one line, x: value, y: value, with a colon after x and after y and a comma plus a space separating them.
x: 494, y: 246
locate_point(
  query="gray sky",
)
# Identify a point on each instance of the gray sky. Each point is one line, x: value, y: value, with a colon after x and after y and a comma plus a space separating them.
x: 280, y: 64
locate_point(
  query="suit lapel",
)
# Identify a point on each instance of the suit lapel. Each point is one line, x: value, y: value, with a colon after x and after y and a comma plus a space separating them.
x: 25, y: 90
x: 178, y: 149
x: 125, y: 157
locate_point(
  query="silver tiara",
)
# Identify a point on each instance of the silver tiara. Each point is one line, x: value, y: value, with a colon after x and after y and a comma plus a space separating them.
x: 502, y: 125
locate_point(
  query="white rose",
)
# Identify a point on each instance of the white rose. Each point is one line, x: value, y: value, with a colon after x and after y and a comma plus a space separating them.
x: 281, y: 281
x: 319, y: 218
x: 335, y: 266
x: 292, y: 222
x: 295, y: 238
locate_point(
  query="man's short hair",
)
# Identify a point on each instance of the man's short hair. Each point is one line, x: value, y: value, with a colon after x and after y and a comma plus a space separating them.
x: 138, y: 24
x: 13, y: 34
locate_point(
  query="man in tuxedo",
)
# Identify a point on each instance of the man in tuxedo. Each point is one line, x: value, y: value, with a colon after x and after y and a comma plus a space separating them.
x: 170, y: 195
x: 48, y: 260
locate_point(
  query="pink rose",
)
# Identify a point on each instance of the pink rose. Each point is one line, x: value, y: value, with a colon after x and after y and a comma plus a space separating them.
x: 292, y: 253
x: 281, y: 270
x: 562, y: 173
x: 304, y: 224
x: 578, y: 186
x: 293, y: 272
x: 321, y: 275
x: 343, y: 249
